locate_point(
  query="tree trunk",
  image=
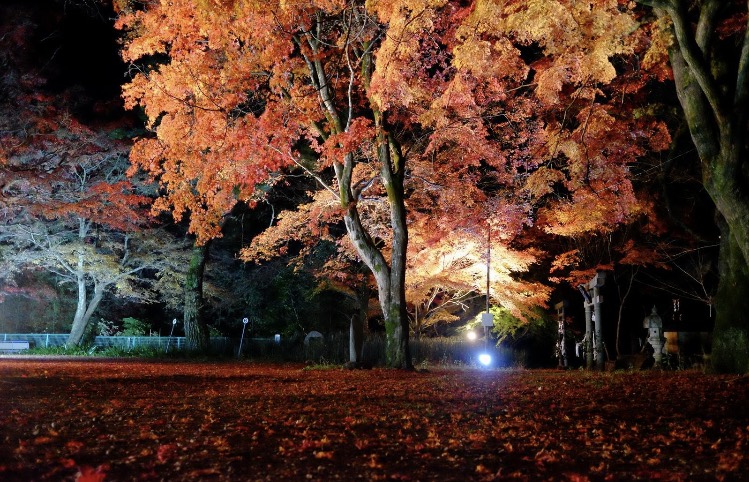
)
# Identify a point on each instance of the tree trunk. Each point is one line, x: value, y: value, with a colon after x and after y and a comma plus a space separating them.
x: 196, y: 330
x: 390, y: 280
x: 85, y: 308
x: 358, y: 326
x: 622, y: 301
x: 714, y: 100
x: 83, y: 312
x: 391, y: 295
x: 730, y: 353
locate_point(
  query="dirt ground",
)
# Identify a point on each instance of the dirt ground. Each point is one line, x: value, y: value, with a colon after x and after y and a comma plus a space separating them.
x: 101, y: 420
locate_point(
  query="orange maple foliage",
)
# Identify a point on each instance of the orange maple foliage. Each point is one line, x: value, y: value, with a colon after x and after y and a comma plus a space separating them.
x: 434, y: 115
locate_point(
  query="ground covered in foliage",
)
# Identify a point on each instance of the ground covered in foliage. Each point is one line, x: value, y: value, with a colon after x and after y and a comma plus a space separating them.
x: 134, y: 420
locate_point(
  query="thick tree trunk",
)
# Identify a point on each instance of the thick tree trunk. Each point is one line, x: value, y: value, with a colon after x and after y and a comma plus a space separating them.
x: 715, y: 104
x: 391, y: 295
x: 196, y: 330
x: 390, y: 280
x: 396, y: 318
x: 358, y: 326
x: 730, y: 352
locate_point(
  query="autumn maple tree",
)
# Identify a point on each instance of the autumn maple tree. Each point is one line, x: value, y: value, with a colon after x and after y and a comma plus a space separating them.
x: 439, y: 115
x: 67, y: 206
x: 77, y: 216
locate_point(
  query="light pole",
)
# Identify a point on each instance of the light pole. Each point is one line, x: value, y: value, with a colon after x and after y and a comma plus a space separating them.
x: 487, y: 319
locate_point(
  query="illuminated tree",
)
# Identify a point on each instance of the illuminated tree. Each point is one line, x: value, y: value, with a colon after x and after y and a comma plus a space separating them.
x: 465, y: 114
x: 66, y: 205
x: 455, y: 268
x: 76, y: 216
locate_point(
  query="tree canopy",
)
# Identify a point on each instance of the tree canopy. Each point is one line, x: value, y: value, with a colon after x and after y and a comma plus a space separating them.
x: 428, y: 117
x: 444, y: 145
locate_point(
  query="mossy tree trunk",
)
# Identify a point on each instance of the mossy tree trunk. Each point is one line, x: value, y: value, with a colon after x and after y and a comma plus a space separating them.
x: 731, y: 334
x: 390, y: 278
x: 390, y: 275
x: 713, y: 90
x: 196, y: 330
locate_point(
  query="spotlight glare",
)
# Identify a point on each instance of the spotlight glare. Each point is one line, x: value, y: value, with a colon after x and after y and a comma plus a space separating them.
x: 471, y: 335
x: 485, y: 359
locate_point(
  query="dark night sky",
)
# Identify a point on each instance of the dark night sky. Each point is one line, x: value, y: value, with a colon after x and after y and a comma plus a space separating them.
x: 74, y: 46
x: 88, y: 54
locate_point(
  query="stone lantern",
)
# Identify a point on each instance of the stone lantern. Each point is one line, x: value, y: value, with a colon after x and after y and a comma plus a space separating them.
x: 654, y: 324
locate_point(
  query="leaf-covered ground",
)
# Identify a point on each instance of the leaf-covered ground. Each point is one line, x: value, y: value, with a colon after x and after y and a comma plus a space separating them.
x: 133, y: 420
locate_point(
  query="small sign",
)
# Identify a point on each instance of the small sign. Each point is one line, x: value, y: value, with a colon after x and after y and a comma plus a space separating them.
x: 277, y: 338
x: 245, y: 320
x: 487, y: 319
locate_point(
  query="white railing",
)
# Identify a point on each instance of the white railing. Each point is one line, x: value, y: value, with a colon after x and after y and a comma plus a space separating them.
x: 45, y: 340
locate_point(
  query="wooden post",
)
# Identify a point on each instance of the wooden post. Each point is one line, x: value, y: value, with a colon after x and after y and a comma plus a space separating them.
x: 597, y: 300
x: 588, y: 335
x: 562, y: 336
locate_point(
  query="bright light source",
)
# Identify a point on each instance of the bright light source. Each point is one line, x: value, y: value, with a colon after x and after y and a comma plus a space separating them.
x: 485, y: 359
x: 471, y: 335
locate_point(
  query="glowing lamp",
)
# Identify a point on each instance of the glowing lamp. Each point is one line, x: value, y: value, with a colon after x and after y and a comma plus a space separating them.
x: 485, y: 359
x: 471, y: 335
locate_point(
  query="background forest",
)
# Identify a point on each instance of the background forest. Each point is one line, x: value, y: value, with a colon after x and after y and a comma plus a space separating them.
x: 373, y: 168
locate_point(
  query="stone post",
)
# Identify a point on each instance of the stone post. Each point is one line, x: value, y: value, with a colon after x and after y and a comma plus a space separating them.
x: 593, y: 314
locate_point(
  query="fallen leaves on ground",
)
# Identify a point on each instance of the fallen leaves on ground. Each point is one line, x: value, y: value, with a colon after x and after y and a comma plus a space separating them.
x: 133, y: 420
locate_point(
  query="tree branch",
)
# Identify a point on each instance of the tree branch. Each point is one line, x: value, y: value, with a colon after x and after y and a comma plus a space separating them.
x: 741, y: 96
x: 695, y: 60
x: 310, y: 173
x: 706, y: 25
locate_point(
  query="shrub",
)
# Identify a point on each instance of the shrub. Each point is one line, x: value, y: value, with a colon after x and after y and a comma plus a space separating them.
x: 134, y: 327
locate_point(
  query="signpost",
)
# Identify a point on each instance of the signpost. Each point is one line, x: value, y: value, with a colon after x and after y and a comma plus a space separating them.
x: 241, y: 339
x: 174, y: 323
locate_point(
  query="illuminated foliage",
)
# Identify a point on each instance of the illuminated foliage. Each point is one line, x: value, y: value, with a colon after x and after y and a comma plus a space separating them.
x: 81, y: 221
x: 66, y: 205
x: 435, y: 114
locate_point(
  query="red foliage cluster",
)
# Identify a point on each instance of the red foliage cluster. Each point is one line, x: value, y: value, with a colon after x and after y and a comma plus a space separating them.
x: 133, y: 420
